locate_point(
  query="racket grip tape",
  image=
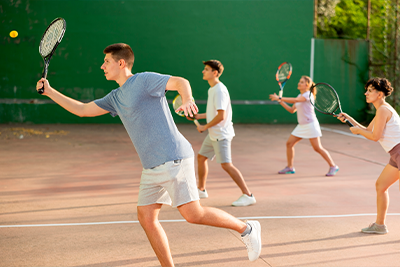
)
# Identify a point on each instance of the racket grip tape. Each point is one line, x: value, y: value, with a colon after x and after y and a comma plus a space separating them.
x: 41, y: 90
x: 196, y: 122
x: 44, y: 75
x: 280, y: 94
x: 349, y: 123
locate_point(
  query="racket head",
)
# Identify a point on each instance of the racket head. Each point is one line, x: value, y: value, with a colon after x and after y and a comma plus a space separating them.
x: 326, y: 99
x: 284, y: 72
x: 52, y: 36
x: 176, y: 103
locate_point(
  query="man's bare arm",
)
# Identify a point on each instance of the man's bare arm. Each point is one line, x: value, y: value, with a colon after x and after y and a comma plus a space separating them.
x: 75, y: 107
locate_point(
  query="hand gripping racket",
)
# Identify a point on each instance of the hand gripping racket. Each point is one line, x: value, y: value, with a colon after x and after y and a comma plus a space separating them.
x: 176, y: 103
x: 326, y: 100
x: 50, y: 40
x: 282, y: 76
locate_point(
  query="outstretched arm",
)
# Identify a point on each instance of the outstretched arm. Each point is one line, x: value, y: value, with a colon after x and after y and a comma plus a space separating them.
x: 291, y: 109
x: 300, y: 98
x: 75, y: 107
x: 183, y: 87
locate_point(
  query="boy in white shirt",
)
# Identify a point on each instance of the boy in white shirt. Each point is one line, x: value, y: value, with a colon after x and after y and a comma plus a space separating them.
x: 220, y: 134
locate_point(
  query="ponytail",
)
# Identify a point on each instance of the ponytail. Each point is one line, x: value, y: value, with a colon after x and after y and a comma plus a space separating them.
x: 313, y: 89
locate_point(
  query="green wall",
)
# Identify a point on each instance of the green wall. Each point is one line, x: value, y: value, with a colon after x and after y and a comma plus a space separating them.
x: 251, y: 38
x: 344, y: 65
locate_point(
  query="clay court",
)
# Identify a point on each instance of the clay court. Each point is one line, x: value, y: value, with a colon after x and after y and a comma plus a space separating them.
x: 69, y: 193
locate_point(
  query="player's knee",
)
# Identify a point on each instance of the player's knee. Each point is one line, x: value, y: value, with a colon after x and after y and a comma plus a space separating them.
x: 193, y: 215
x: 317, y: 149
x: 201, y: 158
x: 193, y: 218
x: 226, y: 166
x: 289, y: 144
x: 145, y: 221
x: 380, y: 188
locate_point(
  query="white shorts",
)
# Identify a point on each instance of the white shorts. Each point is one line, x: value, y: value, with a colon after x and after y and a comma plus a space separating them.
x: 309, y: 130
x: 173, y: 182
x: 221, y: 149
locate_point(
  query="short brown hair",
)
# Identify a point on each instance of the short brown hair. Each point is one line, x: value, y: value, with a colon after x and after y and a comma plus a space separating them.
x: 380, y: 84
x: 121, y: 51
x: 215, y: 65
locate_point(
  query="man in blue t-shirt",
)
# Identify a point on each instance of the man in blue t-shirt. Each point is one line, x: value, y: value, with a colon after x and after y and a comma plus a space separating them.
x: 168, y: 175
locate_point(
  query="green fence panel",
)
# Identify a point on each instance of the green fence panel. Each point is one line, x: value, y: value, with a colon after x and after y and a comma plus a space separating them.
x: 251, y: 38
x: 344, y: 65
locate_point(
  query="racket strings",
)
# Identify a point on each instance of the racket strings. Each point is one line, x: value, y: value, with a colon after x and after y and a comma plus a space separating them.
x: 283, y: 73
x: 326, y: 100
x: 177, y: 103
x: 51, y: 37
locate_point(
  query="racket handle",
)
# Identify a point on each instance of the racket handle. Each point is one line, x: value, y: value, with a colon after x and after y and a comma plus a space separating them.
x: 44, y: 75
x: 349, y: 123
x: 280, y: 94
x: 41, y: 90
x: 196, y: 122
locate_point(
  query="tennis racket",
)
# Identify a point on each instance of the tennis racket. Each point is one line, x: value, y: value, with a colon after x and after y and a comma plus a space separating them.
x: 283, y: 75
x: 326, y: 100
x: 50, y: 40
x: 176, y: 103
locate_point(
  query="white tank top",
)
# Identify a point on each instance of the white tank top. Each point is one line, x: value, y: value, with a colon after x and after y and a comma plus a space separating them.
x: 391, y: 134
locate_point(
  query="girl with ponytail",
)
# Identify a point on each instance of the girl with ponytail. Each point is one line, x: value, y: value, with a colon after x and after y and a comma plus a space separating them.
x: 308, y: 127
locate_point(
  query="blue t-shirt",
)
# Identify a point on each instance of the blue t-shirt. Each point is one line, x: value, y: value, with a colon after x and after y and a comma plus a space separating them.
x: 142, y: 106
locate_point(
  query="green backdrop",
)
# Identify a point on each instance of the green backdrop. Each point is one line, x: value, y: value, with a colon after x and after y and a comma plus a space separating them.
x: 251, y: 38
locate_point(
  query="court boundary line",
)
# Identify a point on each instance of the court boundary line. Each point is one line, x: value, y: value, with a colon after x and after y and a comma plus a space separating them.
x: 349, y: 155
x: 342, y: 132
x: 182, y: 220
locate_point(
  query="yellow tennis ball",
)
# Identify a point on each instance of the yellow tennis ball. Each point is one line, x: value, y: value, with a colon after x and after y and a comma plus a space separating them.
x: 13, y: 34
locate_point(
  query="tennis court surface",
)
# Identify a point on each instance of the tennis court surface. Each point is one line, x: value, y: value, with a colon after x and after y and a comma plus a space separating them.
x: 69, y: 192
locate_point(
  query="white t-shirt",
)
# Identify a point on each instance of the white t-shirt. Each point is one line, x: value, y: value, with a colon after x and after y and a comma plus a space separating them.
x: 305, y: 110
x: 219, y: 99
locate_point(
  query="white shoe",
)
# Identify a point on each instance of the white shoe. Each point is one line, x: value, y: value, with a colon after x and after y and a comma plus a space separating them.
x: 253, y: 240
x: 244, y: 200
x: 202, y: 194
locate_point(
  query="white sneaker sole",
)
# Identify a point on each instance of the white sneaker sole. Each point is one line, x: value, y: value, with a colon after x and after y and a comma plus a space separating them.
x: 243, y: 204
x: 255, y: 225
x: 374, y: 232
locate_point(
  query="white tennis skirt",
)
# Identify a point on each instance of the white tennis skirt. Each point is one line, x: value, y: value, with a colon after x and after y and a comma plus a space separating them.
x: 309, y: 130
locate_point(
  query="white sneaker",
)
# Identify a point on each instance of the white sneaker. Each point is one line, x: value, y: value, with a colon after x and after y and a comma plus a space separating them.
x: 202, y: 194
x: 244, y: 200
x: 253, y: 240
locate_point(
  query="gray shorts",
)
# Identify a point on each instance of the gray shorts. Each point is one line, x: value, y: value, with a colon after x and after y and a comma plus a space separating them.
x: 173, y: 182
x: 221, y: 149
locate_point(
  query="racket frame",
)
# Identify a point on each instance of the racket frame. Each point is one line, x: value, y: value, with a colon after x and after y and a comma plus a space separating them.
x: 180, y: 114
x: 338, y: 101
x: 282, y: 83
x: 46, y: 59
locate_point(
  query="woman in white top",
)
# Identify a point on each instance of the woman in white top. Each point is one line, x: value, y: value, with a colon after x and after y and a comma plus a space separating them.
x: 308, y: 126
x: 385, y: 128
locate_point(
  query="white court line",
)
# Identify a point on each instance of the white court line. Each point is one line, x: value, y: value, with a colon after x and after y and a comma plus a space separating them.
x: 242, y: 218
x: 181, y: 220
x: 342, y: 132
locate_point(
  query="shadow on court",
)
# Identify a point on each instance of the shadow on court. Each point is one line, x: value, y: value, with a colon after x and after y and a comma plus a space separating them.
x: 68, y: 196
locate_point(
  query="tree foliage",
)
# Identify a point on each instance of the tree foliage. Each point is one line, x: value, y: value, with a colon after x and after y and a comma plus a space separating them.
x: 348, y: 19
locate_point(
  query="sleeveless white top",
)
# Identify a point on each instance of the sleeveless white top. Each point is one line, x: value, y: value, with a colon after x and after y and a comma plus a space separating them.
x: 391, y: 134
